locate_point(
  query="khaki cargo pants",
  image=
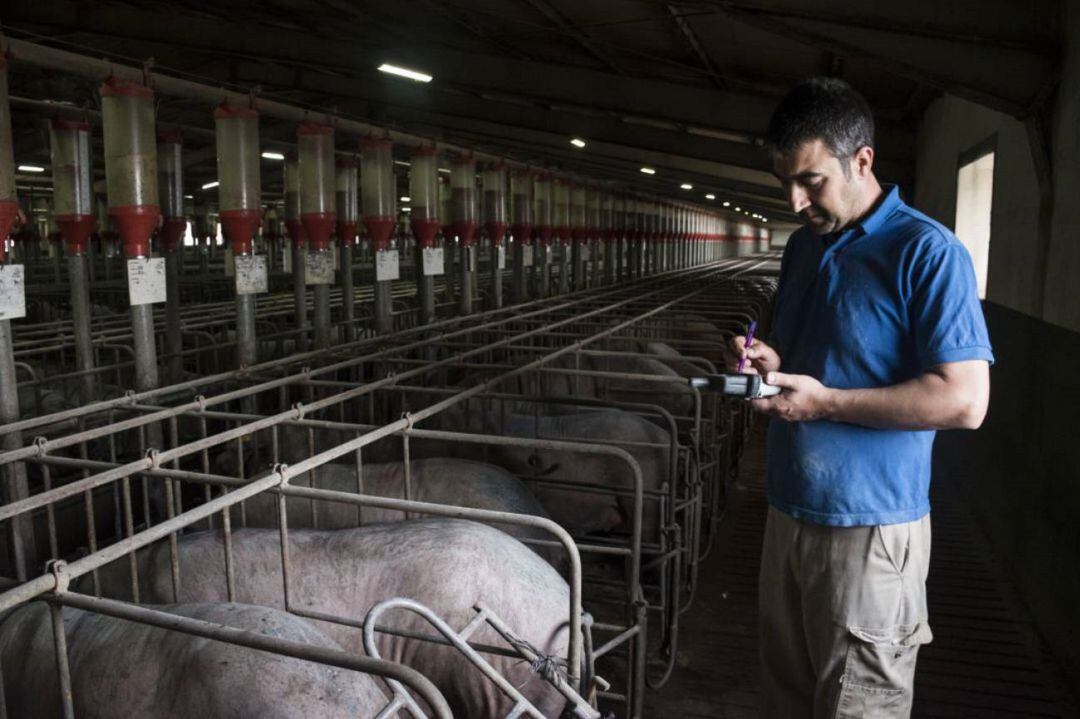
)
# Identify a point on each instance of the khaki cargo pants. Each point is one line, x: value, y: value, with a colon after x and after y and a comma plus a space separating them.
x: 842, y: 615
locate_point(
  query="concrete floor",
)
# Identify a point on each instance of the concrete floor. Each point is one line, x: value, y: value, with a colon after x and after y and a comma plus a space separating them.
x: 985, y: 661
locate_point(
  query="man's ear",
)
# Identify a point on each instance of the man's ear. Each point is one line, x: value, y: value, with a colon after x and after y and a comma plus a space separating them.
x: 863, y: 161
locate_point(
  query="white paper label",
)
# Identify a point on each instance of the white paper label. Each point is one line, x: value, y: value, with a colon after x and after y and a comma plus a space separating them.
x: 146, y: 281
x: 12, y: 292
x: 502, y: 257
x: 545, y: 255
x: 251, y: 275
x: 433, y: 260
x: 230, y: 263
x: 527, y: 255
x: 386, y: 265
x: 319, y: 268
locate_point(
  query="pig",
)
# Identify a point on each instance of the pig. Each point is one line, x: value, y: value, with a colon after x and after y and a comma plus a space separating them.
x: 580, y: 513
x: 126, y: 669
x: 446, y: 564
x: 440, y: 480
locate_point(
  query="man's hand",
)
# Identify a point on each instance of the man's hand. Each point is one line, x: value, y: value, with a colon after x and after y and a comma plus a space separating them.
x: 803, y: 398
x: 762, y: 358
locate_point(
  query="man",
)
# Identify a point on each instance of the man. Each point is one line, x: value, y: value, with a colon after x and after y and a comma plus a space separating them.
x: 877, y: 340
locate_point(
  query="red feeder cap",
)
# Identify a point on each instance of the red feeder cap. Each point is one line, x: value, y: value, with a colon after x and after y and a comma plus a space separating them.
x: 346, y: 232
x: 76, y: 231
x: 496, y: 231
x: 225, y: 110
x: 520, y: 231
x: 295, y: 228
x: 136, y: 223
x: 319, y: 226
x: 114, y: 86
x: 172, y: 231
x: 307, y: 127
x: 72, y: 125
x: 9, y: 210
x: 379, y: 230
x: 425, y: 231
x: 466, y: 232
x: 239, y: 227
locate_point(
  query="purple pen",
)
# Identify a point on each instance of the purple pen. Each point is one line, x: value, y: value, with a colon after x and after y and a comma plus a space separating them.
x: 749, y: 342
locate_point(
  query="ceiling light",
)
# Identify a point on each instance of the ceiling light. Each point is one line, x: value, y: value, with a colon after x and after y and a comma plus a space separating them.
x: 686, y: 186
x: 402, y: 163
x: 31, y: 168
x: 406, y: 209
x: 648, y: 171
x: 273, y: 156
x: 406, y: 199
x: 404, y: 72
x: 764, y: 219
x: 210, y: 185
x: 738, y: 209
x: 727, y: 204
x: 189, y: 197
x: 710, y: 197
x: 577, y: 142
x: 444, y: 170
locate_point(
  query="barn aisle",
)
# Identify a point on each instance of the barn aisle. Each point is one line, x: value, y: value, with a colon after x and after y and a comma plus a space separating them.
x: 985, y: 661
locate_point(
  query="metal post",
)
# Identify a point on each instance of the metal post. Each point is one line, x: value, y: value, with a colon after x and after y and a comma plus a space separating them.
x: 22, y: 552
x: 173, y: 338
x: 80, y: 324
x: 299, y: 296
x: 323, y: 334
x: 348, y: 295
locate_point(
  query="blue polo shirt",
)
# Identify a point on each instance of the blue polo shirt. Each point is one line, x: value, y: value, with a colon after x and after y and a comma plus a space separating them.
x: 879, y: 303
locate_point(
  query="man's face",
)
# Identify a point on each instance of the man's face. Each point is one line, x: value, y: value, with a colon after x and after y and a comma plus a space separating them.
x: 817, y: 187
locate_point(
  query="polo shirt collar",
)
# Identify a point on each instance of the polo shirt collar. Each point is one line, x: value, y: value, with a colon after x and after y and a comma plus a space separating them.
x: 890, y: 201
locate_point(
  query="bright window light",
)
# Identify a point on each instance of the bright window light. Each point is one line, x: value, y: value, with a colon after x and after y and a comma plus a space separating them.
x: 974, y: 198
x: 210, y: 185
x: 404, y: 72
x: 686, y: 186
x: 710, y: 197
x: 648, y: 171
x: 273, y: 156
x: 577, y: 142
x: 31, y: 168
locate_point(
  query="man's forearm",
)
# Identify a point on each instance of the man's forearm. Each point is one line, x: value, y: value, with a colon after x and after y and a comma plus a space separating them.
x: 928, y: 401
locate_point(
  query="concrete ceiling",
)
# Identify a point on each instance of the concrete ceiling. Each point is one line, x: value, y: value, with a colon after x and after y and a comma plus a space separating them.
x: 684, y: 87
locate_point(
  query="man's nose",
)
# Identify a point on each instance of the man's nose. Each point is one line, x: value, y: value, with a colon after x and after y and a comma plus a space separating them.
x: 797, y: 198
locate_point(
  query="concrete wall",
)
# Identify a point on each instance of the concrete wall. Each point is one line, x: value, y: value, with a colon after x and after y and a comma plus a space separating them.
x: 1020, y: 473
x: 952, y: 126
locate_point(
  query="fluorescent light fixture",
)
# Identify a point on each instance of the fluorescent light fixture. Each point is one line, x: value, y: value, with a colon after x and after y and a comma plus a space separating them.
x: 686, y: 186
x: 710, y: 197
x: 406, y: 209
x: 273, y: 156
x: 189, y: 197
x: 210, y: 185
x: 406, y: 199
x: 648, y: 171
x: 577, y: 142
x: 402, y: 163
x: 738, y: 209
x: 444, y: 170
x: 727, y: 204
x: 31, y: 168
x: 764, y: 219
x: 404, y: 72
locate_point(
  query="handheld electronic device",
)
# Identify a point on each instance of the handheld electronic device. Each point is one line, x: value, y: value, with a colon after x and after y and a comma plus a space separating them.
x: 748, y: 386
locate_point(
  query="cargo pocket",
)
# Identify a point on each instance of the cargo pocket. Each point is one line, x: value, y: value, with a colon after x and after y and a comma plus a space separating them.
x: 879, y: 671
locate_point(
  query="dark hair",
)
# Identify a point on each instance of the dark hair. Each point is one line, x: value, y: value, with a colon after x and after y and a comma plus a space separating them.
x: 826, y: 109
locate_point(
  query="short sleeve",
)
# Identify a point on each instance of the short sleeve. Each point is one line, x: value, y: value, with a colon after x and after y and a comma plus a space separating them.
x: 945, y: 311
